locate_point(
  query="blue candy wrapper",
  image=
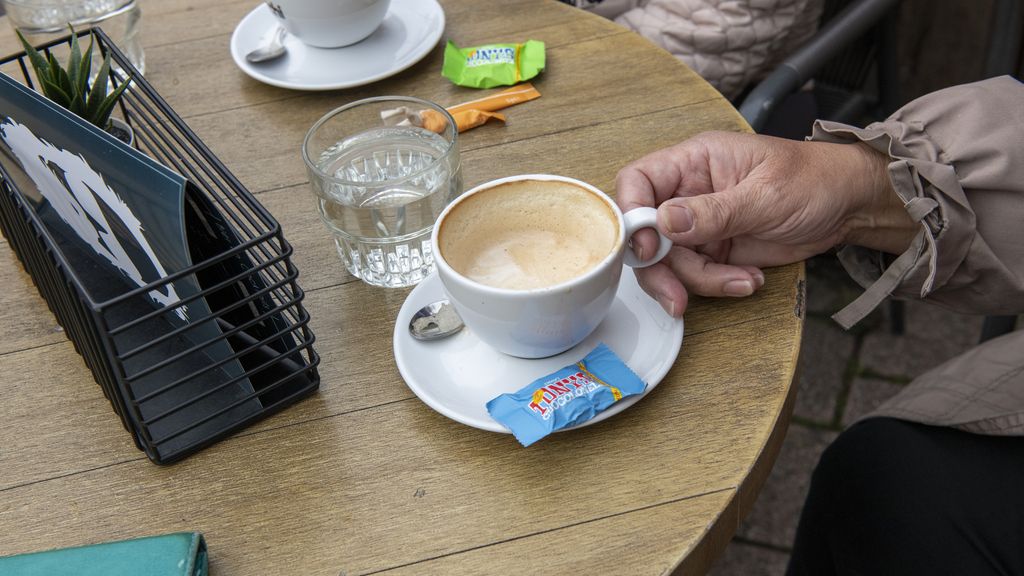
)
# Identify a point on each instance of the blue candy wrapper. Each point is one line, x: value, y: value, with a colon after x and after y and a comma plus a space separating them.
x: 566, y: 398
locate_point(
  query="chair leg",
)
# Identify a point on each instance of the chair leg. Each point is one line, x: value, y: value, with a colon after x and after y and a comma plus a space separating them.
x: 997, y: 326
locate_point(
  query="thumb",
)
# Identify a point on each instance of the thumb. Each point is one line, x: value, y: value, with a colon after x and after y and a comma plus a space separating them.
x: 705, y: 218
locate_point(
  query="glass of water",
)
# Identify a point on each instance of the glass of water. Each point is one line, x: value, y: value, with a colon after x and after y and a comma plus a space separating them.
x: 380, y: 187
x: 44, y: 20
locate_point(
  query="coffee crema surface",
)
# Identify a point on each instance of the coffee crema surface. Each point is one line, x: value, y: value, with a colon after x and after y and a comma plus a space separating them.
x: 528, y: 234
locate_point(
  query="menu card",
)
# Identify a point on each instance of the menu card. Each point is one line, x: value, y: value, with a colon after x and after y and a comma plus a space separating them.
x: 122, y: 222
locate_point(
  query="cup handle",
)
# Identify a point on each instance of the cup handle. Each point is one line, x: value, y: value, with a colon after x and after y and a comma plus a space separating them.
x: 636, y: 219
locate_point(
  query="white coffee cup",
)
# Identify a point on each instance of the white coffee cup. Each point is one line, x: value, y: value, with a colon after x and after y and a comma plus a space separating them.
x: 532, y: 262
x: 330, y: 23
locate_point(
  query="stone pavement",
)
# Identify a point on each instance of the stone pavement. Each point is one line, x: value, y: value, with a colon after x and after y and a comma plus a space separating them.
x: 841, y: 376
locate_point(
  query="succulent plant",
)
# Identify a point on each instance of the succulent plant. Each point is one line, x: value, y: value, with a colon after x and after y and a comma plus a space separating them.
x: 69, y: 87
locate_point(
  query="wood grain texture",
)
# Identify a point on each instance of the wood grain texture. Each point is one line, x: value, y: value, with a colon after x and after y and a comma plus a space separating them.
x: 333, y: 491
x: 655, y: 536
x: 363, y: 477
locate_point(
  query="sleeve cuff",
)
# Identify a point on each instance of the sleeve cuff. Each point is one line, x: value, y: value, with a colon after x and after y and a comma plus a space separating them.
x: 931, y: 193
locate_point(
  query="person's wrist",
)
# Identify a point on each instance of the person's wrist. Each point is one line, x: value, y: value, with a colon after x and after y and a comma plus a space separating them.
x: 876, y: 218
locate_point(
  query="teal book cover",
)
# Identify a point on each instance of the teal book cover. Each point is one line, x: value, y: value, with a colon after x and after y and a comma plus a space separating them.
x: 180, y: 554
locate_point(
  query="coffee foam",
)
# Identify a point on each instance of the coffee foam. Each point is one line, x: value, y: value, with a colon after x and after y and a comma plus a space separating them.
x: 528, y: 234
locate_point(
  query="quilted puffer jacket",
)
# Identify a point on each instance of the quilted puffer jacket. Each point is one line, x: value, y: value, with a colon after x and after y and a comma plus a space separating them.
x: 731, y: 43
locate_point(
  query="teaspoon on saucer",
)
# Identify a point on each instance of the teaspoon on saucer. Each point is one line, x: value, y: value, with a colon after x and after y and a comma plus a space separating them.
x: 274, y: 49
x: 435, y: 321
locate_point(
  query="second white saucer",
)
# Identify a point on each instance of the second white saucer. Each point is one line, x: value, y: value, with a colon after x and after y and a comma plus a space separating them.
x: 409, y: 32
x: 457, y: 376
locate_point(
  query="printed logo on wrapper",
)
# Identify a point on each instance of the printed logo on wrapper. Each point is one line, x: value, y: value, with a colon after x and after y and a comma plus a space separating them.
x: 567, y: 397
x: 560, y: 391
x: 491, y: 55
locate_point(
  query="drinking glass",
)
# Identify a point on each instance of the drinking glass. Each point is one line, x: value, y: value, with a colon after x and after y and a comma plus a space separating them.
x: 44, y: 20
x: 380, y: 187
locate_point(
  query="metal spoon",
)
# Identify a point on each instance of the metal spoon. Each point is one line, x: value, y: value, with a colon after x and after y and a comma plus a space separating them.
x: 271, y: 50
x: 435, y: 321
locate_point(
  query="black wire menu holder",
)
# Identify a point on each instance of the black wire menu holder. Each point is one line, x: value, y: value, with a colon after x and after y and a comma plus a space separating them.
x: 195, y: 351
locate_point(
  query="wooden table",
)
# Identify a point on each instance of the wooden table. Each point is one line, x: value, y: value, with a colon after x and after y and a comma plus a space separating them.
x: 363, y: 477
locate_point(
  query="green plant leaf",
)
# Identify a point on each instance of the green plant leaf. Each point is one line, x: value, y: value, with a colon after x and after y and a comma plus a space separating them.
x: 92, y: 108
x: 53, y: 80
x: 98, y: 92
x: 75, y: 63
x: 116, y: 94
x: 101, y: 105
x: 39, y: 63
x: 86, y: 68
x: 61, y: 78
x: 78, y: 105
x: 102, y: 78
x: 102, y: 118
x: 56, y: 93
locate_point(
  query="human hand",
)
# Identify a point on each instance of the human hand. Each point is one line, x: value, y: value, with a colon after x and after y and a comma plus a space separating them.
x: 734, y: 203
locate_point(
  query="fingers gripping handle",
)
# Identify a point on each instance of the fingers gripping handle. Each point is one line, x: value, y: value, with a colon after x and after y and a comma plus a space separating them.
x: 636, y: 219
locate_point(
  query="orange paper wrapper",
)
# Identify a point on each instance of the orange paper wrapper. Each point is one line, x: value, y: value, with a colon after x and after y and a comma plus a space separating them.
x: 464, y: 119
x: 476, y: 112
x: 508, y: 97
x: 467, y: 115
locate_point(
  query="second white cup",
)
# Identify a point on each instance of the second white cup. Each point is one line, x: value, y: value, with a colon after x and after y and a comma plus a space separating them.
x: 330, y: 23
x: 532, y: 262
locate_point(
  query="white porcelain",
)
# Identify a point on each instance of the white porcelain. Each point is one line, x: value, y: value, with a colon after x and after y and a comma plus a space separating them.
x: 545, y: 321
x: 121, y: 124
x: 456, y: 376
x: 409, y: 32
x: 329, y: 23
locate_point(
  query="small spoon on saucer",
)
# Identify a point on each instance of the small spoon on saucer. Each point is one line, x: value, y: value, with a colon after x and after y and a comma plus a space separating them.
x: 435, y: 321
x: 274, y: 49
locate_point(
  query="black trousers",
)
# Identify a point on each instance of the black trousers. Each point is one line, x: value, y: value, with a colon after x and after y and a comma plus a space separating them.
x: 894, y: 497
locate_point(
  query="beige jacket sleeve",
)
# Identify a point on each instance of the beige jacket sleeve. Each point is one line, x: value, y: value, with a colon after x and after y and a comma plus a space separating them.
x: 958, y: 165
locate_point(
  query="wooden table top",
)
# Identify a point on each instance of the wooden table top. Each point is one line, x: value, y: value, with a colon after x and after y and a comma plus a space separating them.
x: 363, y: 477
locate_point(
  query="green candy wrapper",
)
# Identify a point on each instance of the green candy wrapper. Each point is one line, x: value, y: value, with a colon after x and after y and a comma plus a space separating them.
x: 494, y: 64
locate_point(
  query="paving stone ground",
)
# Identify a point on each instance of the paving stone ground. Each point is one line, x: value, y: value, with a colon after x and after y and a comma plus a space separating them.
x: 842, y: 376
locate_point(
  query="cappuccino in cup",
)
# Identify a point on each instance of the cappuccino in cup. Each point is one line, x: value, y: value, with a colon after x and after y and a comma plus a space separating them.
x: 532, y: 263
x: 529, y: 234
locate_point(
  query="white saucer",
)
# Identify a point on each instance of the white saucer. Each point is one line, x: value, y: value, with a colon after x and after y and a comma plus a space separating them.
x: 457, y: 376
x: 409, y: 32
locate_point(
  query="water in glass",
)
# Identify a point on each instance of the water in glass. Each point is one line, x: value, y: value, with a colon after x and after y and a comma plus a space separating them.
x: 389, y: 185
